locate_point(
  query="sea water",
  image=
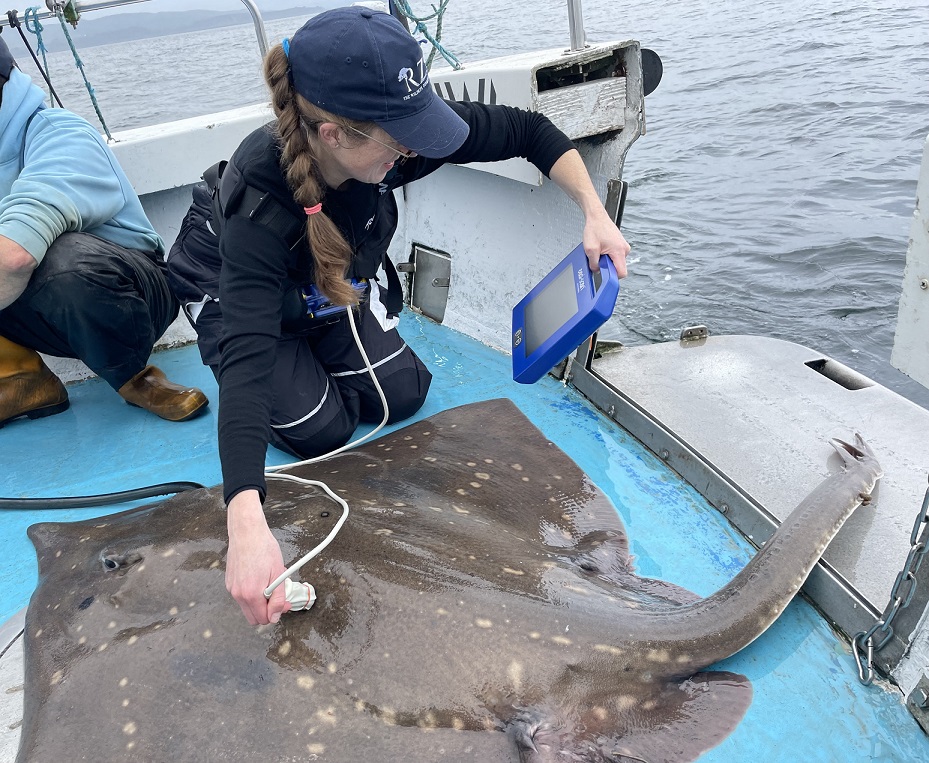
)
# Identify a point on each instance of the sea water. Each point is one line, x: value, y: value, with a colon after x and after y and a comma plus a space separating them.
x: 772, y: 194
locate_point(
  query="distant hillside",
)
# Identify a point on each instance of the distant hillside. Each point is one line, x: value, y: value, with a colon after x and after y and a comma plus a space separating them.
x: 124, y: 27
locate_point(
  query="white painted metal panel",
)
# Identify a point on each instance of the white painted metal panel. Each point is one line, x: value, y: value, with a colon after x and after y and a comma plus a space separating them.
x: 502, y: 237
x: 911, y: 342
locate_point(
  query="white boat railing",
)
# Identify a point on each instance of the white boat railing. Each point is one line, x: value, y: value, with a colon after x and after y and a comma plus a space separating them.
x: 54, y: 7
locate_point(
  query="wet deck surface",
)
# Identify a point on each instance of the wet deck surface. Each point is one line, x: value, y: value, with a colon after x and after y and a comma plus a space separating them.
x: 799, y: 665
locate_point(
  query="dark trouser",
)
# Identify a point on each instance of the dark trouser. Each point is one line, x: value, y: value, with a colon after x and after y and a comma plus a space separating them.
x: 96, y: 301
x: 322, y: 389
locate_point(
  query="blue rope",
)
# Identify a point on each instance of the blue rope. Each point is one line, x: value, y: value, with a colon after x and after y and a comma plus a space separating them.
x: 404, y: 7
x: 80, y: 65
x: 34, y: 26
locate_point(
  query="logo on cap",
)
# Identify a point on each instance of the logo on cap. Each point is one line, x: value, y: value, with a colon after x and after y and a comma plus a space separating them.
x: 413, y: 86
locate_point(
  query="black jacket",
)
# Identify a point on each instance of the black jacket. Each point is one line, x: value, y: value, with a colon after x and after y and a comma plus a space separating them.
x: 259, y: 268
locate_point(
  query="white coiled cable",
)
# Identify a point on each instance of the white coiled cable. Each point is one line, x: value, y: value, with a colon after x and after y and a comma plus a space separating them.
x: 302, y: 595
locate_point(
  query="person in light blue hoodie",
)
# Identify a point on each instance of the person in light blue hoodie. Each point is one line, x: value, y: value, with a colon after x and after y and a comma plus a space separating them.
x: 82, y: 272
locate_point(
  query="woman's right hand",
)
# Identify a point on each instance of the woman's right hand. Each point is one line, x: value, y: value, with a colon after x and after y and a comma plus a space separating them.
x: 254, y: 560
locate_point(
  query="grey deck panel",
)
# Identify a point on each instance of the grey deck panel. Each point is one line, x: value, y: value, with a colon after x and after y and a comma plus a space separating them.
x: 753, y: 408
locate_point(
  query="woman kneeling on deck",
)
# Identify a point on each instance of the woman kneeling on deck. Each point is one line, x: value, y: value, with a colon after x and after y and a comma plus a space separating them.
x: 356, y: 118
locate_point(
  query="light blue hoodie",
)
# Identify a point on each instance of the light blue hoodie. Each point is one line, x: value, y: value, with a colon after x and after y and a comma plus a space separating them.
x: 58, y: 175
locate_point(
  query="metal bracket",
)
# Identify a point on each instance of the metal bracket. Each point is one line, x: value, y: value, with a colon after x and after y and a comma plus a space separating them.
x: 694, y: 333
x: 616, y: 191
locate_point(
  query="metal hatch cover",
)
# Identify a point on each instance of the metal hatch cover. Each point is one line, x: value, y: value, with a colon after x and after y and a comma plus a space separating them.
x: 430, y: 278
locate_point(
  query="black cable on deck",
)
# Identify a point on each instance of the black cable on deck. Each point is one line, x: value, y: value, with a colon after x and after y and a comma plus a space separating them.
x: 104, y: 499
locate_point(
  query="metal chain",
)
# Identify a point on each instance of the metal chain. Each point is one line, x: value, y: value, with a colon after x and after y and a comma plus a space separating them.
x: 864, y: 644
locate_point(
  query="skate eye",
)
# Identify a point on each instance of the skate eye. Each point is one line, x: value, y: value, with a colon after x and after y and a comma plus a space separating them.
x: 113, y: 562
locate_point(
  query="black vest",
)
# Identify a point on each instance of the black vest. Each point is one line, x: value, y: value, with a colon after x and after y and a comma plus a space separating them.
x: 194, y: 260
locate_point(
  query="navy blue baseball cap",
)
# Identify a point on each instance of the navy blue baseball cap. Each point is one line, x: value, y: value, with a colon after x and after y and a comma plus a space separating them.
x: 363, y: 64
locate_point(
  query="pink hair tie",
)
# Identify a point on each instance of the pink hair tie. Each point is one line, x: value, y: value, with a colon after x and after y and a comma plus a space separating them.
x: 313, y: 210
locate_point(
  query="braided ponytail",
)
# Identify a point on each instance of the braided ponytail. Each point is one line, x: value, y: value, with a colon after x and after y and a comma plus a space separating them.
x: 331, y: 253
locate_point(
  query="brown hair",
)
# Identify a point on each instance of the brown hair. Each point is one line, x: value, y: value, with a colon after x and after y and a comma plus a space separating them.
x: 331, y: 253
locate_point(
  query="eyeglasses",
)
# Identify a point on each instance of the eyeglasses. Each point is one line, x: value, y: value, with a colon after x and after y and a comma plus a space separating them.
x: 401, y: 155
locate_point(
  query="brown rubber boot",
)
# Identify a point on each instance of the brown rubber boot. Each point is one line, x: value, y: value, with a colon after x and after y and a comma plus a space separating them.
x: 151, y: 390
x: 27, y: 386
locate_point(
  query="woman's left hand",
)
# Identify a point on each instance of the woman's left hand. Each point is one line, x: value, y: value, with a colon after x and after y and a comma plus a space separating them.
x: 601, y: 236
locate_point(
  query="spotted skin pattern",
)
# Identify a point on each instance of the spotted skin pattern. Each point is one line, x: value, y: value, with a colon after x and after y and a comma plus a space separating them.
x: 480, y: 604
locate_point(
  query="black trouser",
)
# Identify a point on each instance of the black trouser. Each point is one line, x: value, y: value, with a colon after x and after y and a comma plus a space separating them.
x: 322, y: 389
x: 96, y: 301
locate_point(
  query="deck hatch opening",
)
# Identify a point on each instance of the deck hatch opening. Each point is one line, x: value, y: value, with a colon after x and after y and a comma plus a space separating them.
x: 840, y: 374
x: 576, y: 73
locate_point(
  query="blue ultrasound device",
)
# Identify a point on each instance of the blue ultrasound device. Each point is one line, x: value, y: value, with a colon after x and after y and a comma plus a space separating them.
x: 565, y: 308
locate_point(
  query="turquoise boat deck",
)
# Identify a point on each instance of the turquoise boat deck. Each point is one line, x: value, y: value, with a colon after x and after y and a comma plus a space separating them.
x: 808, y: 703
